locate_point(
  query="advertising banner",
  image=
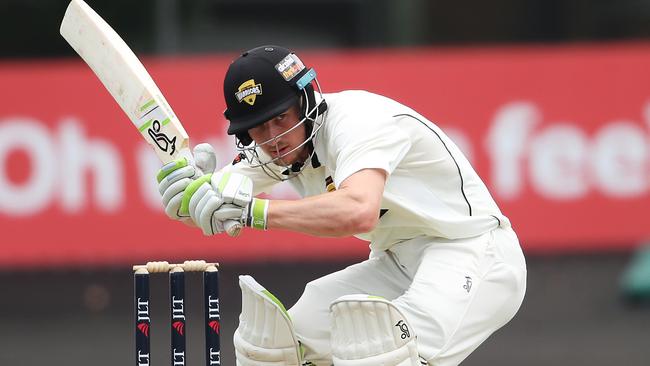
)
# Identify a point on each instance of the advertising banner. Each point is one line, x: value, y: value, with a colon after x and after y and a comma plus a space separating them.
x: 559, y: 134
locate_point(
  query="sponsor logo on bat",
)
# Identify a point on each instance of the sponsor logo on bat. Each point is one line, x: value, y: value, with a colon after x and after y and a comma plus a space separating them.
x: 163, y: 141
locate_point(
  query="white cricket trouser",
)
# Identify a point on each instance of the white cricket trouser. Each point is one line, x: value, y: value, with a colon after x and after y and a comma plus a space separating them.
x: 454, y: 293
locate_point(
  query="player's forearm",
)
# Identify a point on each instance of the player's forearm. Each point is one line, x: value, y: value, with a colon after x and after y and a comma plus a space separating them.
x: 337, y: 214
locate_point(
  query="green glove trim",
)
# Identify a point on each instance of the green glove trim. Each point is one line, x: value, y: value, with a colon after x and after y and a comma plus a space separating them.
x: 190, y: 190
x: 222, y: 183
x: 259, y: 212
x: 168, y: 168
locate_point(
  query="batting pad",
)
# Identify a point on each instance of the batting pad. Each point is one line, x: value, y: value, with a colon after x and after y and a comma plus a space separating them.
x: 265, y: 335
x: 371, y: 331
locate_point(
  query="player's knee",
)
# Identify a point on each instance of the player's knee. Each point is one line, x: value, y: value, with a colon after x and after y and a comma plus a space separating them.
x: 311, y: 302
x: 369, y: 330
x: 310, y: 306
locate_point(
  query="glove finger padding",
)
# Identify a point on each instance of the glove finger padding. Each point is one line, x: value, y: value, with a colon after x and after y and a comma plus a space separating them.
x: 208, y: 207
x: 202, y: 201
x: 198, y: 200
x: 173, y: 178
x: 174, y: 171
x: 172, y: 208
x: 174, y: 189
x: 228, y: 211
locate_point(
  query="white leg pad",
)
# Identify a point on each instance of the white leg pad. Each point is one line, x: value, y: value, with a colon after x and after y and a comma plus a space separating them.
x: 265, y: 335
x: 371, y: 331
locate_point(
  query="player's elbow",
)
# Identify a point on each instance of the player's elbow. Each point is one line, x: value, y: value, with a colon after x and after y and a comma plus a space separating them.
x: 361, y: 200
x: 365, y: 219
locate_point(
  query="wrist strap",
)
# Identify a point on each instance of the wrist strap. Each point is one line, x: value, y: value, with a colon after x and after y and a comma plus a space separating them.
x: 257, y: 213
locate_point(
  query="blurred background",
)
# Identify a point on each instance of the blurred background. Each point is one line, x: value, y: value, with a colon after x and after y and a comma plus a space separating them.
x: 550, y: 100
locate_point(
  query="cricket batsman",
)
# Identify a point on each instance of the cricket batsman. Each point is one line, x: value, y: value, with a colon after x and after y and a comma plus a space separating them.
x: 445, y: 269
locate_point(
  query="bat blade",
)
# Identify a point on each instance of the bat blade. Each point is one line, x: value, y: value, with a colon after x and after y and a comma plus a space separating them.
x: 124, y: 76
x: 126, y: 79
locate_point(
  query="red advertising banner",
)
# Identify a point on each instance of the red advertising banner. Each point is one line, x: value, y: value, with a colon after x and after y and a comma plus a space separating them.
x: 559, y: 134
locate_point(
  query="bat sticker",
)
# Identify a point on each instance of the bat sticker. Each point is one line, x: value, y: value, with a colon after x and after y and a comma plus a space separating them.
x: 163, y: 141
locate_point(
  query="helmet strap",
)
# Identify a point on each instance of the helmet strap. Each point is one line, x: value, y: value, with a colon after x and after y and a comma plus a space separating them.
x: 244, y: 138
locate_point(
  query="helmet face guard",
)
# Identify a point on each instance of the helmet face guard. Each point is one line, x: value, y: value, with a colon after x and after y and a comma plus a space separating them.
x: 261, y: 84
x: 312, y: 115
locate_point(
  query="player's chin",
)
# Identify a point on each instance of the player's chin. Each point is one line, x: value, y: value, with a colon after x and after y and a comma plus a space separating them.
x: 286, y: 160
x: 288, y: 157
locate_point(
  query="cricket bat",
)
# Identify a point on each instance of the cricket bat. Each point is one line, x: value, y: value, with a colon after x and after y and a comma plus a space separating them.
x: 126, y: 79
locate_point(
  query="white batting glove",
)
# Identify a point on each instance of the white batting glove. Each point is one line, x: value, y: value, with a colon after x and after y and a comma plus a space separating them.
x: 217, y: 200
x: 175, y: 176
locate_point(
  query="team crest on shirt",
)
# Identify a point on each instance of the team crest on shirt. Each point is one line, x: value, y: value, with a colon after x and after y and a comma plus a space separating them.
x: 329, y: 184
x: 238, y: 158
x: 248, y: 91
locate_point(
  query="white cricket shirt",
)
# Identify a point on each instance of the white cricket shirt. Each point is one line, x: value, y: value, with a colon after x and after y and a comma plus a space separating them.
x: 431, y: 188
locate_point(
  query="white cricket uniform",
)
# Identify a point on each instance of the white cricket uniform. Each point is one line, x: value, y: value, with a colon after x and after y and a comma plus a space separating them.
x: 442, y: 251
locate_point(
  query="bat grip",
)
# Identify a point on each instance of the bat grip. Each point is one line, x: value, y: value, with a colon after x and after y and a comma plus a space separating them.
x: 233, y: 228
x: 185, y: 152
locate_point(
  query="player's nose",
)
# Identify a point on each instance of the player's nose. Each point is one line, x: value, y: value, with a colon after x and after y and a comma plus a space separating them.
x: 274, y: 129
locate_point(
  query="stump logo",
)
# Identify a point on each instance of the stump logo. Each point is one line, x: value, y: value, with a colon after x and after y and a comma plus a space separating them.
x: 214, y: 325
x: 179, y: 327
x: 144, y: 328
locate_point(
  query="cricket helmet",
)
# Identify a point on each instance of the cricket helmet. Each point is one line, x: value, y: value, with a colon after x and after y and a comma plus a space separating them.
x: 263, y: 83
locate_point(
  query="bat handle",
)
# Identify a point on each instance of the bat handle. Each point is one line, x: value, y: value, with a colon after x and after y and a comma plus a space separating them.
x: 186, y: 153
x: 233, y: 228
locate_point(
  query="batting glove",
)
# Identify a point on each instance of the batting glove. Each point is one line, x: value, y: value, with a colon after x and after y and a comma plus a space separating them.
x: 217, y: 201
x: 175, y: 176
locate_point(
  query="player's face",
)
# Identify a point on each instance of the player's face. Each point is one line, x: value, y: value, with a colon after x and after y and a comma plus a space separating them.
x: 266, y: 135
